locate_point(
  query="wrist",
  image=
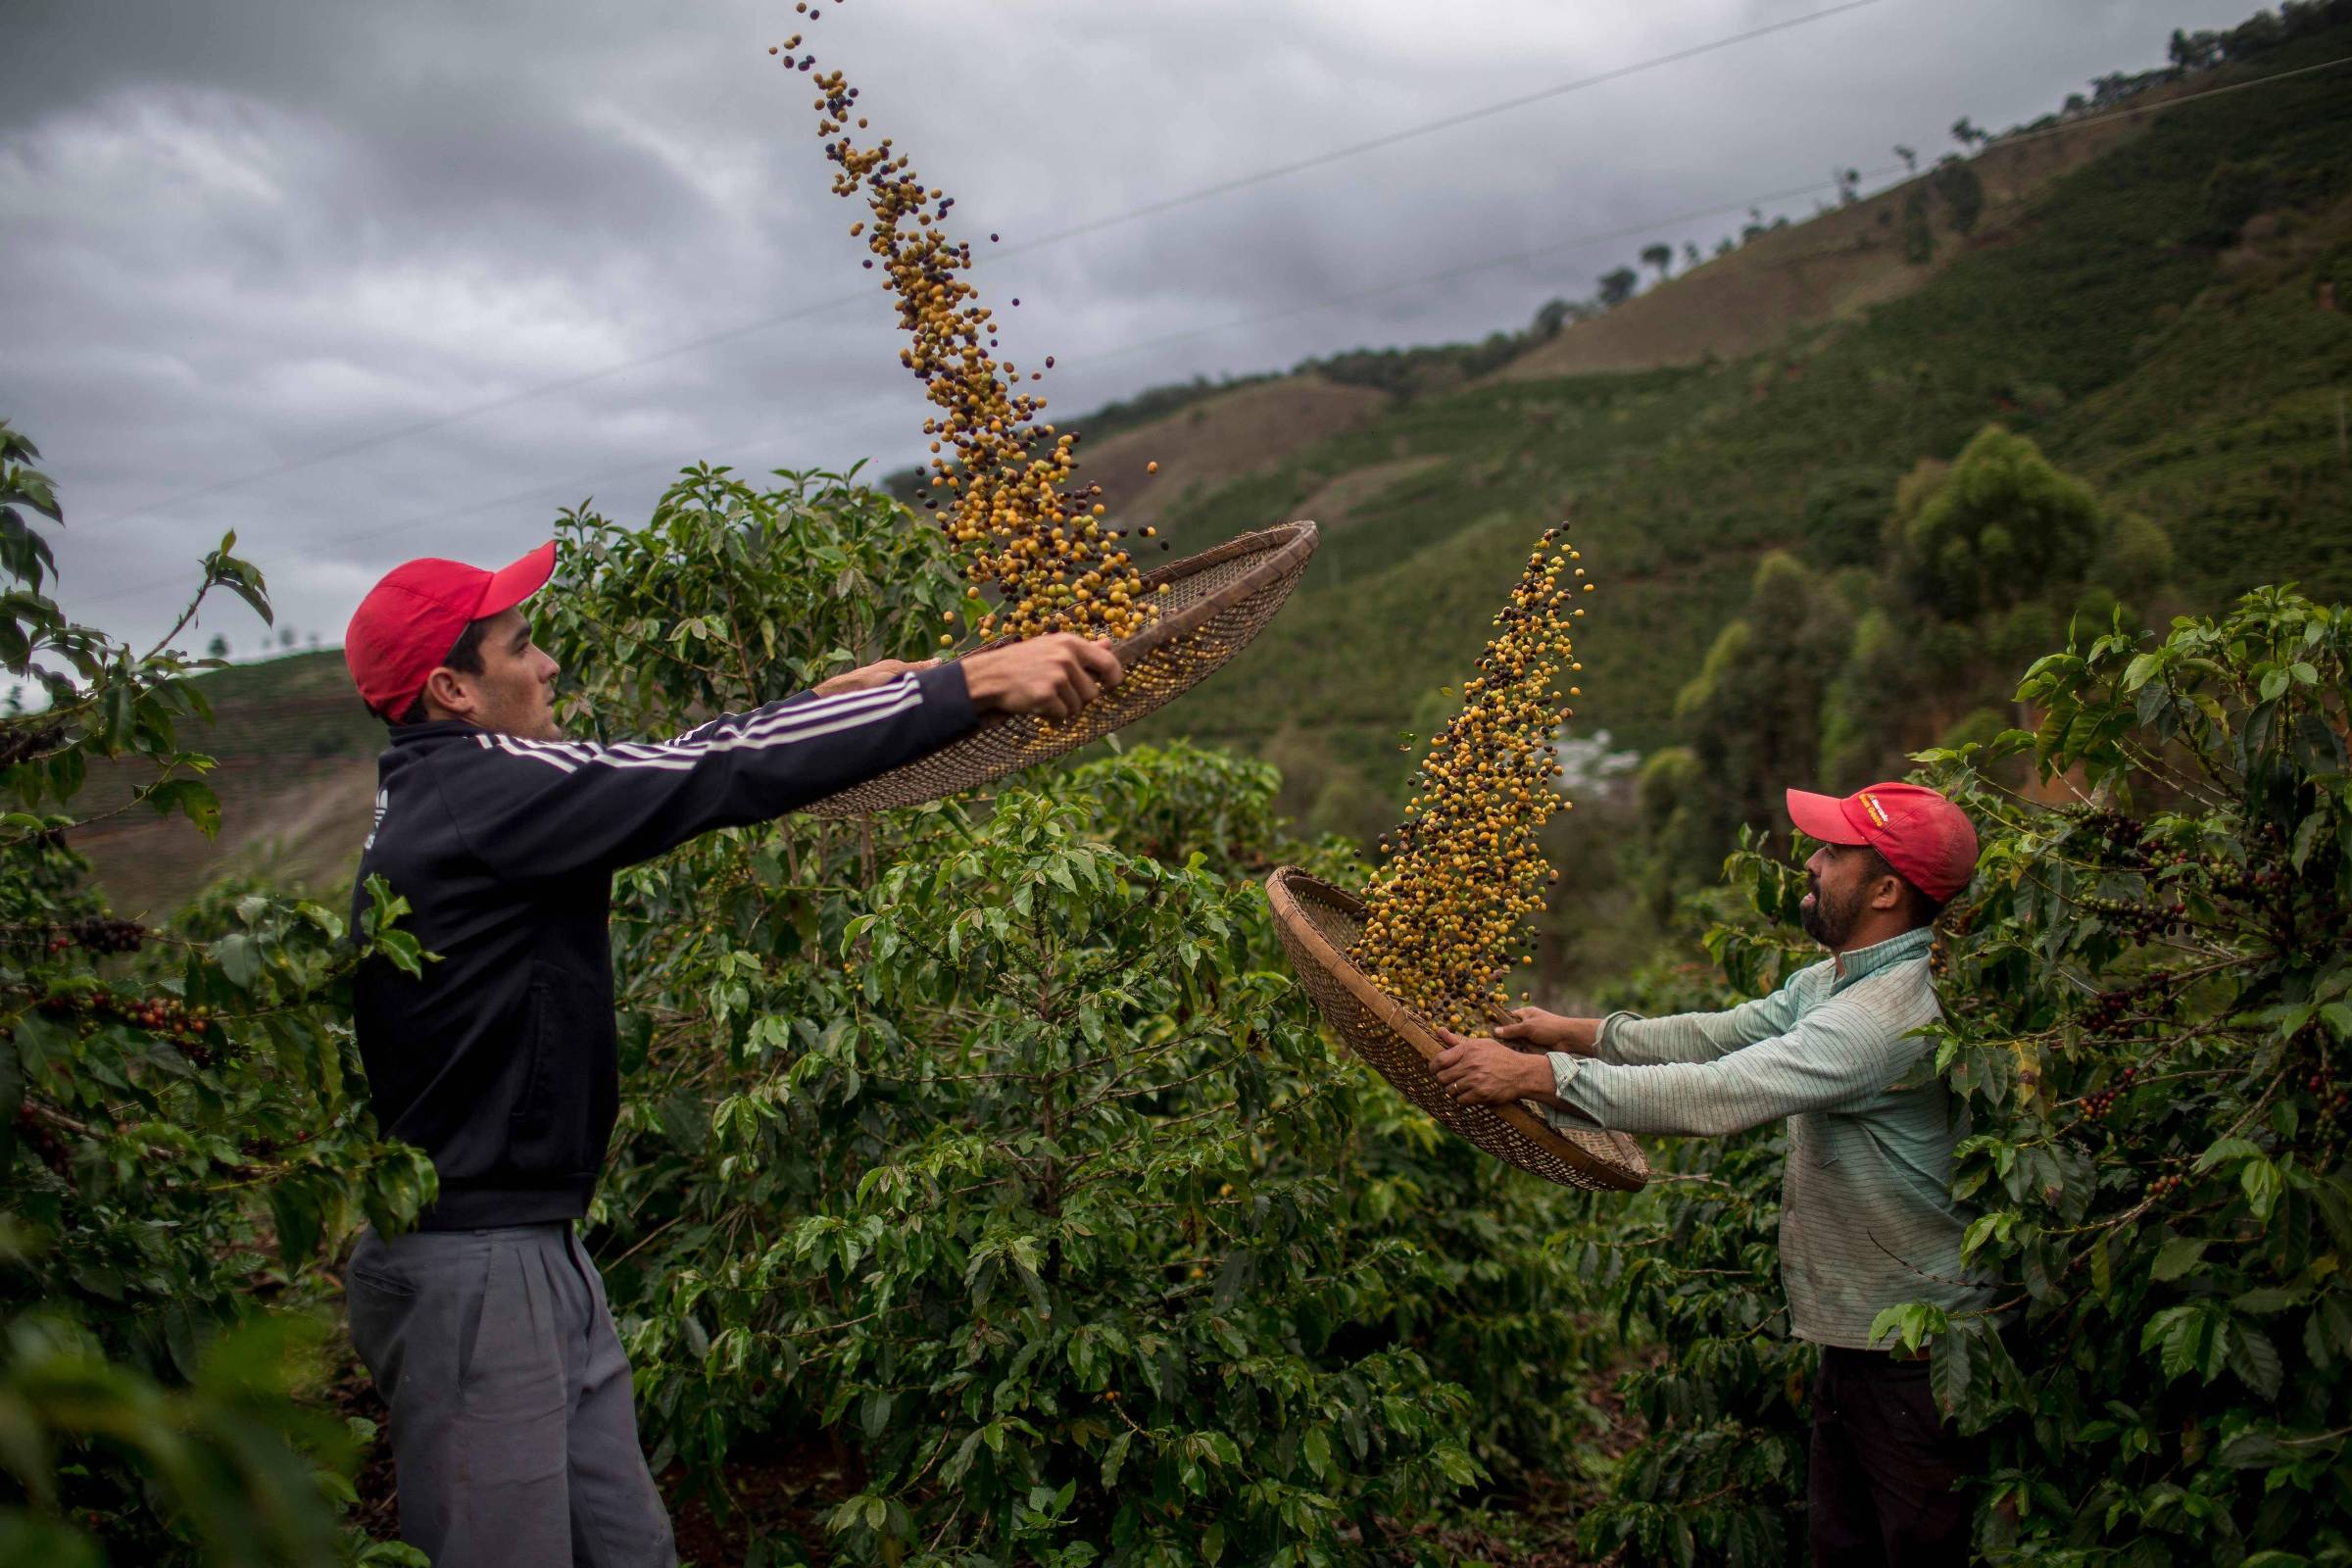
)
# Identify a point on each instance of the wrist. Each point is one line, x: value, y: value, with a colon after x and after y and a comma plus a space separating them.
x: 1537, y: 1078
x: 982, y: 682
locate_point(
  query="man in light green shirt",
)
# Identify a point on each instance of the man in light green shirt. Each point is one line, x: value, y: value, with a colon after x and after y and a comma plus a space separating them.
x: 1867, y: 1219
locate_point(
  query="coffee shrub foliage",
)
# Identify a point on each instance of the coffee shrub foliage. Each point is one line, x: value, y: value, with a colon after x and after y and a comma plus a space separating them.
x: 2147, y: 998
x: 992, y: 1141
x: 184, y: 1134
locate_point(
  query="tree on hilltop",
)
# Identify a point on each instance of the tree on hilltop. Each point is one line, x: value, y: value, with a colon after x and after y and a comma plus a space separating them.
x: 1962, y: 191
x: 1660, y: 257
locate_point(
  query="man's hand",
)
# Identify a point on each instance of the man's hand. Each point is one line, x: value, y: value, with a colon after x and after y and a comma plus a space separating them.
x: 1548, y: 1031
x: 874, y: 674
x: 1052, y: 677
x: 1487, y: 1072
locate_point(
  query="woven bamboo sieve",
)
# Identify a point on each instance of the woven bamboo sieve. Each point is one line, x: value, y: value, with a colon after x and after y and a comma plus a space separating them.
x: 1318, y: 924
x: 1216, y: 602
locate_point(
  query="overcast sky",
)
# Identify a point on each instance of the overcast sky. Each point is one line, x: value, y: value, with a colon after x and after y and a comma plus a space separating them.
x: 238, y: 234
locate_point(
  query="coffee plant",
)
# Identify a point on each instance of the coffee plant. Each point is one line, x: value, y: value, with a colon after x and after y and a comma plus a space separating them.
x: 2148, y: 1010
x: 180, y: 1129
x: 992, y: 1141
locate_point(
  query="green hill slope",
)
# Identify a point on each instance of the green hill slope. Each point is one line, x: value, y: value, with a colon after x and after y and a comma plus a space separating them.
x: 296, y: 781
x: 2194, y: 377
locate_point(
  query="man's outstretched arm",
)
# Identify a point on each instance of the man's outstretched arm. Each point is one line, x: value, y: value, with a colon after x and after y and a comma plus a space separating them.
x: 1838, y: 1057
x: 535, y: 809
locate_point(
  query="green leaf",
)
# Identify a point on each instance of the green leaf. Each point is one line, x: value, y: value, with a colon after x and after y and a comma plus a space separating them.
x: 1949, y: 1370
x: 2177, y: 1257
x: 239, y: 959
x: 1112, y: 1459
x: 1454, y: 1463
x: 2187, y: 1339
x: 2255, y: 1359
x: 2227, y: 1148
x: 2263, y: 1186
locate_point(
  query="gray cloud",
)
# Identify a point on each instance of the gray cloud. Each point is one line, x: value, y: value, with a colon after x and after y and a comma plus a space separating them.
x: 246, y: 232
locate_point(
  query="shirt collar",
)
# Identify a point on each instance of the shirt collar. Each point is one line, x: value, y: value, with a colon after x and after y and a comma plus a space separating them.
x: 1862, y: 961
x: 430, y: 730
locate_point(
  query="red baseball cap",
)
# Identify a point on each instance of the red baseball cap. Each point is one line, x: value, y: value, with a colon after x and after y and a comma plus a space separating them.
x: 1927, y: 840
x: 409, y: 621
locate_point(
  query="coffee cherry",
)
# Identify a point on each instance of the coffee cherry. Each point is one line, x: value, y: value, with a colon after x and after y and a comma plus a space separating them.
x: 1442, y: 916
x: 1002, y: 481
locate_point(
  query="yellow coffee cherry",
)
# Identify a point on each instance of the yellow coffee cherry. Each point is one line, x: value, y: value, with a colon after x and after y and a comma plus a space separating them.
x: 1002, y: 480
x: 1445, y: 912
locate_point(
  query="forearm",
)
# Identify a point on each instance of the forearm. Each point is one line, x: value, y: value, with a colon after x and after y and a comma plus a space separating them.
x: 1824, y: 1064
x: 1630, y: 1040
x: 1627, y: 1039
x: 1684, y: 1099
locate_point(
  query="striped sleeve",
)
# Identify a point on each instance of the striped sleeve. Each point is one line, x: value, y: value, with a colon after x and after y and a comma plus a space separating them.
x: 1839, y: 1056
x: 532, y: 809
x: 1631, y: 1040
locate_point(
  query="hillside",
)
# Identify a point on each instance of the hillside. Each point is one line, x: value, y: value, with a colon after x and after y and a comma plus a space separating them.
x: 2154, y: 301
x: 1831, y: 268
x: 1226, y: 437
x: 2196, y: 381
x: 296, y: 781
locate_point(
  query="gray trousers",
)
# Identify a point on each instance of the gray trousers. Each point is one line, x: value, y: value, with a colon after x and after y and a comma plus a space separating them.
x: 512, y: 1427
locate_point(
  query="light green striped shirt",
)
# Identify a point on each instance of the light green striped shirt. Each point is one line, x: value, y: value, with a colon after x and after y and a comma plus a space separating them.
x: 1867, y: 1218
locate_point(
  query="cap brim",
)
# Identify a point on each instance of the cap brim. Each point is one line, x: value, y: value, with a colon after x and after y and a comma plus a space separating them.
x: 512, y: 585
x: 1823, y: 817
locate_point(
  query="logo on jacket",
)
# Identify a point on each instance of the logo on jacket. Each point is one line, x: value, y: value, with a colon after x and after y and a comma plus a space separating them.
x: 383, y: 802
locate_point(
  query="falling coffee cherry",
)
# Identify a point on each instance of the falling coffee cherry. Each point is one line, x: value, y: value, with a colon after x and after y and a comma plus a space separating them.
x: 1000, y: 480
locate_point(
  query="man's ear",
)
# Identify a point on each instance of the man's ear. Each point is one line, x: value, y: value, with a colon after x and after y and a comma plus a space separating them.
x: 451, y: 692
x: 1887, y: 895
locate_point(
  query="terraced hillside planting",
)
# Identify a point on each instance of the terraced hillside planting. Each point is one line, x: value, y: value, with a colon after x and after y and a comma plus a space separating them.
x: 2138, y: 321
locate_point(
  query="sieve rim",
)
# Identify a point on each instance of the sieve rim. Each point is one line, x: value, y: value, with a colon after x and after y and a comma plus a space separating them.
x: 1288, y: 889
x: 1281, y: 552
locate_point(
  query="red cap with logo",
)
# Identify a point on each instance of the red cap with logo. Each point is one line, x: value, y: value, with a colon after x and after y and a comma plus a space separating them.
x: 1927, y: 840
x: 409, y: 623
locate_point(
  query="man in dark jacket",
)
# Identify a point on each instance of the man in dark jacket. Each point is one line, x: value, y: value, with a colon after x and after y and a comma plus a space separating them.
x: 486, y: 1329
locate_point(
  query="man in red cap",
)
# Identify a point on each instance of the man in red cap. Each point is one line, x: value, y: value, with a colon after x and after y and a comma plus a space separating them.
x: 486, y: 1329
x: 1867, y: 1218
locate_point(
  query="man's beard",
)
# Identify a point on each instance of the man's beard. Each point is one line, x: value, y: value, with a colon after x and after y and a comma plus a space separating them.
x: 1830, y: 923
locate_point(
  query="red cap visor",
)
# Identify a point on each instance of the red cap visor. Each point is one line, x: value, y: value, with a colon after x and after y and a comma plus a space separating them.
x: 509, y: 586
x: 1823, y: 816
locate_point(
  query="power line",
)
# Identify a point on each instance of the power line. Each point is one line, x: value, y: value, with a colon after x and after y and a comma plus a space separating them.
x: 1090, y: 227
x: 1330, y: 302
x: 1449, y: 123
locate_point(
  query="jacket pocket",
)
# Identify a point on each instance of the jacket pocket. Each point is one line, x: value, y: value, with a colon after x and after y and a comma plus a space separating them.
x: 534, y: 1094
x: 567, y: 1041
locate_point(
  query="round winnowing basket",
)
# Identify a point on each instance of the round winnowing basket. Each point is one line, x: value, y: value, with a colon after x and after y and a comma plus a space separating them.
x: 1216, y: 602
x: 1318, y: 923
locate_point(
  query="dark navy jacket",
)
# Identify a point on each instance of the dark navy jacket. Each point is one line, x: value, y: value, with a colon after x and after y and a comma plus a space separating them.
x: 501, y: 1062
